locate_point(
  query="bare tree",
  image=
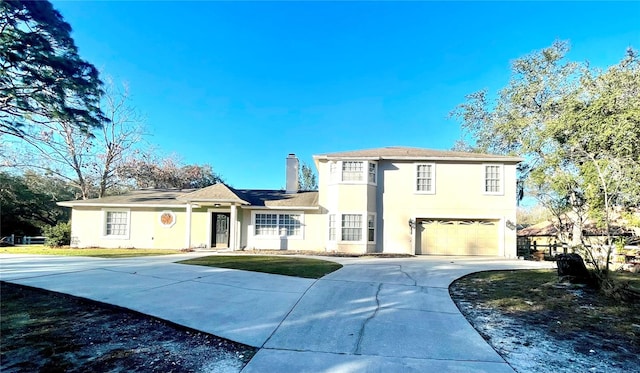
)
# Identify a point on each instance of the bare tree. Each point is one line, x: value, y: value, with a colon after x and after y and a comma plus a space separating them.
x: 85, y: 160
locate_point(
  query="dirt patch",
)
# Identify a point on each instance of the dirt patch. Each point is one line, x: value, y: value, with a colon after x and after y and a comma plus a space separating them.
x: 538, y: 325
x: 52, y: 332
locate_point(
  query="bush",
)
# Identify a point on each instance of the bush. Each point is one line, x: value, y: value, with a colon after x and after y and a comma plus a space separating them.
x: 57, y: 235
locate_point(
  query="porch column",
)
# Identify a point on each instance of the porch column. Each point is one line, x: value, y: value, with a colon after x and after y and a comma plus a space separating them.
x: 187, y: 238
x: 232, y: 227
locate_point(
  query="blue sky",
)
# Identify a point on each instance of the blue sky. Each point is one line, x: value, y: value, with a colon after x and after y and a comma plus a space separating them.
x: 239, y: 85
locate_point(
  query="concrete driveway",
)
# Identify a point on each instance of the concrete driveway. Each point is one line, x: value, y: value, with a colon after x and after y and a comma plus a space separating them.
x: 373, y: 315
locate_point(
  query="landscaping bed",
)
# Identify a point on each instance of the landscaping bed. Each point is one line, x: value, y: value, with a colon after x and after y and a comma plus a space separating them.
x: 90, y: 252
x: 539, y: 325
x: 51, y: 332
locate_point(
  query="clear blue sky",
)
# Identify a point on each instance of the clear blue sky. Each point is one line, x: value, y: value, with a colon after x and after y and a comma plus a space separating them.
x: 240, y: 85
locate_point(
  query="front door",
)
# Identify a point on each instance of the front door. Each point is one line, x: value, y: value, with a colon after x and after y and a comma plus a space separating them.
x: 220, y: 229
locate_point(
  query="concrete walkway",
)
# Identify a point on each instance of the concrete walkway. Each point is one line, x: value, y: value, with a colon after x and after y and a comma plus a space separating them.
x: 373, y: 315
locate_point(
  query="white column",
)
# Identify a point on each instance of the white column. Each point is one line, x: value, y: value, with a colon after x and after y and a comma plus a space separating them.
x: 187, y: 238
x: 232, y: 227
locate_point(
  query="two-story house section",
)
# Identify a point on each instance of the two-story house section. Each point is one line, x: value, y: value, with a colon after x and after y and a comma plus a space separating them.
x: 419, y: 201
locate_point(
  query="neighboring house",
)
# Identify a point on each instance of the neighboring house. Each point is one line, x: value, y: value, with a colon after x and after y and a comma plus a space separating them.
x: 546, y: 233
x: 391, y: 200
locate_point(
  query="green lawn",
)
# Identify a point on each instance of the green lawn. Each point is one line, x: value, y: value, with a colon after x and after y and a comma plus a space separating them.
x: 288, y: 266
x: 101, y: 253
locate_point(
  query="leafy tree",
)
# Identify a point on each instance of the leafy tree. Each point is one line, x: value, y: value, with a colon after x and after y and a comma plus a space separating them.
x: 42, y: 77
x: 578, y: 130
x: 167, y: 174
x: 307, y: 178
x: 57, y: 235
x: 28, y: 203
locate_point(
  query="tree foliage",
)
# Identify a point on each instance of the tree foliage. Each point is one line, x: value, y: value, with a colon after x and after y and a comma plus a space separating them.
x: 307, y: 178
x: 168, y: 173
x: 578, y: 129
x: 28, y: 203
x: 87, y: 161
x: 42, y: 77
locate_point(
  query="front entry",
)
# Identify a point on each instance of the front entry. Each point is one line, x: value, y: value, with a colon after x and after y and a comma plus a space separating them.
x: 220, y: 230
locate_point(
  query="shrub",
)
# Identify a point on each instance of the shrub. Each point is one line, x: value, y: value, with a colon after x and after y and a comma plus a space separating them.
x: 57, y: 235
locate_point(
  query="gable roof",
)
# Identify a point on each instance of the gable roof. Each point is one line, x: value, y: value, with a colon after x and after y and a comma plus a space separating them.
x: 408, y: 153
x: 213, y: 193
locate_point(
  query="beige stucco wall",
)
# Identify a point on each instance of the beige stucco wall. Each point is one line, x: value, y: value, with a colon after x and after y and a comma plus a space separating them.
x: 314, y: 232
x: 145, y: 230
x: 458, y: 194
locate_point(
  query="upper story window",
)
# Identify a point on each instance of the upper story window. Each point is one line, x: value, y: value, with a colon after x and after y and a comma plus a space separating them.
x: 426, y: 178
x: 493, y: 179
x: 352, y: 171
x: 372, y: 173
x: 116, y: 223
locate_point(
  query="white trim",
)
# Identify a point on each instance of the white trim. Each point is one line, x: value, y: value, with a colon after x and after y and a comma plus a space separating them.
x: 505, y: 159
x: 484, y: 179
x: 104, y: 224
x: 211, y: 210
x: 433, y: 179
x: 364, y: 228
x: 252, y: 225
x: 119, y: 205
x: 233, y: 218
x: 375, y: 227
x: 279, y: 207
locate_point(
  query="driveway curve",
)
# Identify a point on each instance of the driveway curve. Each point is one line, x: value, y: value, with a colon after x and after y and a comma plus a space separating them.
x: 372, y: 315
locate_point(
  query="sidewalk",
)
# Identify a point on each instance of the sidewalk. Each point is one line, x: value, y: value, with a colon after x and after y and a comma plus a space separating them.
x: 373, y: 315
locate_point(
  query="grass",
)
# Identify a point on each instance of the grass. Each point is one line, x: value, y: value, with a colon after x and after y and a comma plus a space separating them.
x: 288, y: 266
x: 91, y: 252
x: 537, y: 293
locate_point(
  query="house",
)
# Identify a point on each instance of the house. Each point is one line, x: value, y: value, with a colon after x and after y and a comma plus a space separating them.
x: 391, y: 200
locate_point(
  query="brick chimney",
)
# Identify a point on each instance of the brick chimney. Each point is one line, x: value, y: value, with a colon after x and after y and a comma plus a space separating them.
x: 292, y: 174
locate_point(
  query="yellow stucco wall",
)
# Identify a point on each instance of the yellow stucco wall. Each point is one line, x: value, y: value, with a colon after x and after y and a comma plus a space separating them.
x: 145, y: 230
x: 314, y: 233
x: 459, y: 193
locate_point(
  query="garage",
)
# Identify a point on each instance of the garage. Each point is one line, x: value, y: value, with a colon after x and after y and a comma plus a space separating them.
x: 457, y: 237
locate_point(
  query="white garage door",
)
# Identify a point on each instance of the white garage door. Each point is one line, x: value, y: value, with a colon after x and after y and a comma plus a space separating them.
x: 457, y: 237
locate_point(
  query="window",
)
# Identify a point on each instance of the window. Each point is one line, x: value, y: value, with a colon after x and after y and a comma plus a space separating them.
x: 351, y: 227
x: 275, y: 224
x: 493, y: 179
x: 332, y: 227
x: 425, y: 178
x: 372, y: 173
x: 371, y: 228
x: 290, y: 223
x: 352, y: 171
x: 333, y: 171
x: 116, y: 223
x: 266, y: 225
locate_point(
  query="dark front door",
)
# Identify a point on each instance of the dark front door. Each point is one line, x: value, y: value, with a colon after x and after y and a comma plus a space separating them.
x: 220, y: 229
